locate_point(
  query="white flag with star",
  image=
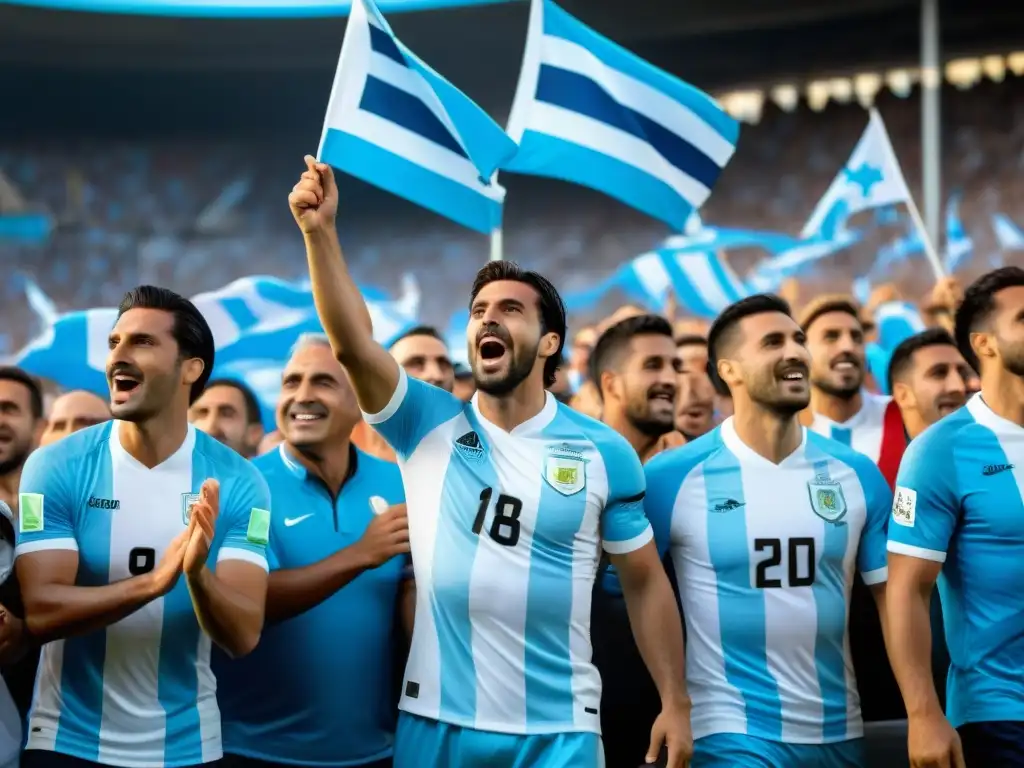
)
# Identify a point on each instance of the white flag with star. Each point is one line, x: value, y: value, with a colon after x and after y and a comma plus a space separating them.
x: 871, y: 178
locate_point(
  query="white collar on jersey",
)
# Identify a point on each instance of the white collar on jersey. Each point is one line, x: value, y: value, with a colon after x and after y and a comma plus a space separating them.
x: 179, y: 461
x: 532, y: 425
x: 745, y: 453
x: 988, y: 418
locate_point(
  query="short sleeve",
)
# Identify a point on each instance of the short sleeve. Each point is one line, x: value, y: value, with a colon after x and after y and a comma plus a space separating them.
x: 664, y: 479
x: 246, y: 514
x: 926, y: 505
x: 871, y: 557
x: 46, y: 503
x: 415, y: 409
x: 624, y: 526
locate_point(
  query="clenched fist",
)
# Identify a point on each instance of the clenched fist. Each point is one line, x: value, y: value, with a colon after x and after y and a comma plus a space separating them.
x: 314, y: 200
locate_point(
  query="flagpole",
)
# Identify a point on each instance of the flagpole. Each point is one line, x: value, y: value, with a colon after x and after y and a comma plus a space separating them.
x: 497, y: 245
x: 926, y: 241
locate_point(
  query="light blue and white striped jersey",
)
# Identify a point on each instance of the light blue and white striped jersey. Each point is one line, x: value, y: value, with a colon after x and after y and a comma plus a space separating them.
x: 765, y: 556
x: 863, y: 431
x: 139, y: 693
x: 959, y: 502
x: 506, y: 530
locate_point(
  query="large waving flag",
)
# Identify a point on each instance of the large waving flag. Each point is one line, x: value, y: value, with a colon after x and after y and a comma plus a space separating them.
x: 872, y: 178
x: 702, y: 282
x: 590, y: 112
x: 394, y: 122
x: 255, y: 322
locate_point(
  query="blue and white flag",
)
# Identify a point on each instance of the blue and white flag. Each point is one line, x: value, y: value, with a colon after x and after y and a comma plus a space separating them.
x: 703, y: 283
x: 871, y: 178
x: 725, y: 238
x: 394, y: 122
x: 1008, y: 235
x: 590, y: 112
x: 255, y: 322
x: 768, y: 274
x: 959, y: 246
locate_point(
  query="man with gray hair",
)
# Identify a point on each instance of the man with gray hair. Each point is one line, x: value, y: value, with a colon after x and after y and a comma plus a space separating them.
x: 341, y: 515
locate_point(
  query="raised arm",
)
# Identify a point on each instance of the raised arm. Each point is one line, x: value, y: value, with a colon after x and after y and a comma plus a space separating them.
x: 56, y: 605
x: 339, y: 304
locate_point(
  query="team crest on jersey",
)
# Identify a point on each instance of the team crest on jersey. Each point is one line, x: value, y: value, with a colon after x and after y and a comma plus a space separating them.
x: 470, y: 447
x: 188, y: 500
x: 565, y: 469
x: 827, y: 499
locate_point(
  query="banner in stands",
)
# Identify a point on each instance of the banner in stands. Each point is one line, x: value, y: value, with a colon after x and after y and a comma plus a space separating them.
x: 242, y: 8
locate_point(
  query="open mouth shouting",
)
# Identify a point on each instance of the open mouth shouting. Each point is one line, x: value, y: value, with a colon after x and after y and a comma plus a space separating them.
x: 491, y: 351
x: 123, y: 381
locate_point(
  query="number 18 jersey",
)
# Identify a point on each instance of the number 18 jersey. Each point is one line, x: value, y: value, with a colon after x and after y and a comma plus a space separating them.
x: 506, y: 530
x: 765, y: 556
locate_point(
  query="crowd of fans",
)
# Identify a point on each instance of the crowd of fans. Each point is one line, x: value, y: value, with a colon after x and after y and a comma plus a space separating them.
x: 129, y: 213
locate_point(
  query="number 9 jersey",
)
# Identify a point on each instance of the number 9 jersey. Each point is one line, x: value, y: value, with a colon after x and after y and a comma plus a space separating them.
x: 765, y: 556
x: 506, y: 530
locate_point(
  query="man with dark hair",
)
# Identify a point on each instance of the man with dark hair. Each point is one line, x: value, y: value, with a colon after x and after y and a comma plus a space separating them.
x: 695, y: 401
x: 841, y: 408
x: 338, y: 555
x: 229, y: 412
x: 959, y: 512
x: 928, y: 378
x: 111, y: 518
x: 21, y: 427
x: 423, y: 353
x: 635, y: 367
x: 510, y: 499
x: 766, y: 523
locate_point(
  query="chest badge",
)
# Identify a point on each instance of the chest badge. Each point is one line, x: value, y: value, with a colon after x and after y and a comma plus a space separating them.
x: 565, y: 469
x: 827, y: 499
x: 188, y: 500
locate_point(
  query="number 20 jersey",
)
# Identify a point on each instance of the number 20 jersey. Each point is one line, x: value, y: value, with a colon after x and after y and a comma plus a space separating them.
x: 506, y: 530
x: 765, y: 556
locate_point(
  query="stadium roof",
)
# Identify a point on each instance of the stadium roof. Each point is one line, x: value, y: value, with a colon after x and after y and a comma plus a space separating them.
x: 712, y: 43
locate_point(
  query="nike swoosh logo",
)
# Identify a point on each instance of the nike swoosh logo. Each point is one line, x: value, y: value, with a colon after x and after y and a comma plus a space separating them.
x: 290, y: 521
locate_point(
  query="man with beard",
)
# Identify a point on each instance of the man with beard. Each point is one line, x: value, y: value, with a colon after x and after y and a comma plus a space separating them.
x: 766, y: 523
x: 111, y: 517
x: 228, y: 411
x: 21, y: 426
x: 332, y: 525
x: 840, y: 407
x: 695, y: 401
x: 73, y: 411
x: 510, y: 498
x: 635, y: 367
x: 958, y: 518
x: 929, y: 379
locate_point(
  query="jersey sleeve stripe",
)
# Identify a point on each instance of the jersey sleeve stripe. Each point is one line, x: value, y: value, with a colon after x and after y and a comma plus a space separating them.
x: 45, y: 545
x: 635, y: 499
x: 899, y: 548
x: 629, y: 545
x: 237, y: 553
x: 877, y: 576
x: 401, y: 389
